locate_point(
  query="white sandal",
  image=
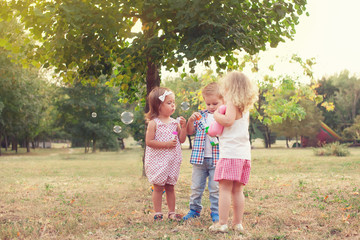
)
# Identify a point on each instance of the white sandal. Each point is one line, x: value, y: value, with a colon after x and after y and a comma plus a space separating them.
x: 238, y: 228
x: 219, y: 228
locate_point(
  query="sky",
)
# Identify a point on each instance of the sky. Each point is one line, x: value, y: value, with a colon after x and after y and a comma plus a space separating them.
x: 330, y: 34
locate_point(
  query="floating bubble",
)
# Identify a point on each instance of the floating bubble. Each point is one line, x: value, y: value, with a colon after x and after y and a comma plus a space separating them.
x: 93, y: 114
x: 185, y: 106
x: 117, y: 129
x: 127, y: 117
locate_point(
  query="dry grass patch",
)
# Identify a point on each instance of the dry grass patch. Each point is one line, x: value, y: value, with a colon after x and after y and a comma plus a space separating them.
x: 66, y: 194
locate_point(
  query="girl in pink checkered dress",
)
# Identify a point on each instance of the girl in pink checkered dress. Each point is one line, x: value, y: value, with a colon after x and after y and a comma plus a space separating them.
x: 233, y: 168
x: 163, y: 150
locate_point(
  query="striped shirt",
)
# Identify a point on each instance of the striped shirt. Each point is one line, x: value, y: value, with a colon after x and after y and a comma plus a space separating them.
x: 198, y: 149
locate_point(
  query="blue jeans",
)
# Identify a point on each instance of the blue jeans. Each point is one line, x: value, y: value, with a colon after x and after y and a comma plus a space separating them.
x: 199, y: 174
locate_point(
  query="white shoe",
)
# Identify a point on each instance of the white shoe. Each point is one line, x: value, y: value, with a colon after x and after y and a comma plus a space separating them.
x: 239, y: 228
x: 219, y: 228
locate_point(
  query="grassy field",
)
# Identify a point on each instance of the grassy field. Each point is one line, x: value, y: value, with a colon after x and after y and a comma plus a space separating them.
x: 65, y: 194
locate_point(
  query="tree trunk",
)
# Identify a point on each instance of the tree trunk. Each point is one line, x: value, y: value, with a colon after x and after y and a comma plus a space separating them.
x: 267, y: 137
x: 265, y: 140
x: 353, y: 111
x: 6, y: 143
x: 27, y: 143
x: 190, y: 144
x: 152, y: 81
x: 87, y: 146
x: 94, y: 146
x: 122, y: 144
x: 13, y: 145
x: 143, y: 159
x: 287, y: 142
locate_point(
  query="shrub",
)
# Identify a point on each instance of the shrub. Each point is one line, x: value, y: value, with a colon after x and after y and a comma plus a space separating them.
x: 110, y: 143
x: 353, y: 132
x: 333, y: 149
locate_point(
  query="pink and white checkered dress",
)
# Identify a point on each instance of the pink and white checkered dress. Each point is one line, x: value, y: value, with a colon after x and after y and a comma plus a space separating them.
x: 162, y: 165
x: 235, y: 152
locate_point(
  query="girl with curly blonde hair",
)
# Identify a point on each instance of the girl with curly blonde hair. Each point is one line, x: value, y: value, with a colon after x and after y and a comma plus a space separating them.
x: 233, y: 168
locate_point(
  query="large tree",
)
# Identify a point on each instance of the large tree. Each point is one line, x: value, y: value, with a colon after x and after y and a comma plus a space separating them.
x: 81, y: 37
x: 23, y: 91
x: 88, y: 114
x: 353, y: 132
x: 306, y: 127
x: 281, y: 97
x: 327, y: 88
x: 347, y: 98
x: 22, y: 98
x: 344, y: 91
x: 278, y: 101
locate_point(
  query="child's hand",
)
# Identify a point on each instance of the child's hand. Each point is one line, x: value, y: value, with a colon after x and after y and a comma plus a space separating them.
x: 182, y: 122
x: 172, y: 143
x: 194, y: 116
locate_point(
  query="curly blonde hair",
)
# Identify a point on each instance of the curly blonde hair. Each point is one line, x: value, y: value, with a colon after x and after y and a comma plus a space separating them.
x: 237, y: 88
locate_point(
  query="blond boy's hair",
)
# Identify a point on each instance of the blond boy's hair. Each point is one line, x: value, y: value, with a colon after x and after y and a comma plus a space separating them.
x: 238, y: 89
x: 212, y: 89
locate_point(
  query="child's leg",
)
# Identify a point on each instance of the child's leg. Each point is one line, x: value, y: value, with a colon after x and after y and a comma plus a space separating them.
x: 224, y: 200
x: 170, y: 197
x: 238, y: 202
x: 157, y: 197
x: 213, y: 192
x: 238, y: 192
x: 198, y: 184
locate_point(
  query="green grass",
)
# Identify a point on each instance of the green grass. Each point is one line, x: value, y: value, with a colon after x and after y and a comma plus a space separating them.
x: 66, y: 194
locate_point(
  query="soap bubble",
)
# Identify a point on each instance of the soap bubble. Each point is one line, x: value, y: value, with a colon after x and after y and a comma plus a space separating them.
x: 117, y: 129
x: 93, y: 114
x: 127, y: 117
x: 185, y: 106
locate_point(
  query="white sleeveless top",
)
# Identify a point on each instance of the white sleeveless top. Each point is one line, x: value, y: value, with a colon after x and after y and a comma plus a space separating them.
x: 234, y: 141
x: 208, y: 148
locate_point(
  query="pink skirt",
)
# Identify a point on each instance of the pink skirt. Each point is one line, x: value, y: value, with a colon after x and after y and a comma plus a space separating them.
x: 233, y: 169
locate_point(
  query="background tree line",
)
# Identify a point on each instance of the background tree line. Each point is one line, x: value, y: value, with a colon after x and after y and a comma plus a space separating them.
x: 102, y: 66
x: 32, y: 109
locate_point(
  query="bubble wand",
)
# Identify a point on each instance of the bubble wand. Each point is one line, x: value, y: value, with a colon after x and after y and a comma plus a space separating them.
x: 175, y: 133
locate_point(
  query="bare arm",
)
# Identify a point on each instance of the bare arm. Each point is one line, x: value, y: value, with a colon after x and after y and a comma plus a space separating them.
x: 182, y: 129
x: 150, y: 138
x: 228, y: 118
x: 190, y: 125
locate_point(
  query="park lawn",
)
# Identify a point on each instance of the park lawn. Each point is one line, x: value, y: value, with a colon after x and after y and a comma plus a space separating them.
x: 66, y: 194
